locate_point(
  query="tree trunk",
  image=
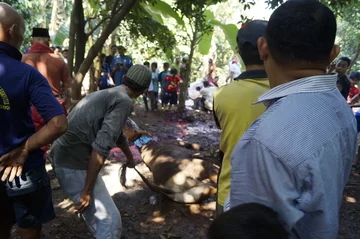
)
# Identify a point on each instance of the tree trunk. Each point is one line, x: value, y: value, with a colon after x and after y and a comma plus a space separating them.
x: 81, y: 37
x: 43, y: 13
x: 55, y: 5
x: 96, y: 48
x: 184, y: 86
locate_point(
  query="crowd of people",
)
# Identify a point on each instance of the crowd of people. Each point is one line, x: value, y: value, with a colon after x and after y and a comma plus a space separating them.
x: 288, y: 139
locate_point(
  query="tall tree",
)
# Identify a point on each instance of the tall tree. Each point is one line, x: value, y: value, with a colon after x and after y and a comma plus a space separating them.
x: 117, y: 10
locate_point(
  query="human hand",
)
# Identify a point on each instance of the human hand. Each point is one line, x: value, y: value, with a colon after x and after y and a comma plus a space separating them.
x: 84, y: 202
x: 332, y: 67
x: 13, y: 163
x: 124, y: 68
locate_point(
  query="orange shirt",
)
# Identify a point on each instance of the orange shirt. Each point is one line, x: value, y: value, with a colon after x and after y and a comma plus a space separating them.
x: 52, y: 67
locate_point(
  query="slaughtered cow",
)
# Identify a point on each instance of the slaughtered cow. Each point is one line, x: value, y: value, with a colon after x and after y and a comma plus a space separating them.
x: 177, y: 172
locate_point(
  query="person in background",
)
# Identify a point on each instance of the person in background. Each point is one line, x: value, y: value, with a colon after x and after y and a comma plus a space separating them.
x: 25, y: 191
x: 230, y: 116
x: 163, y: 82
x: 234, y: 70
x: 296, y: 157
x: 176, y: 64
x: 105, y: 80
x: 212, y: 71
x: 173, y: 81
x: 145, y: 94
x: 57, y: 51
x: 80, y: 153
x: 120, y: 65
x: 65, y: 54
x: 109, y: 59
x: 248, y: 221
x: 207, y: 96
x: 354, y: 91
x: 343, y: 82
x: 153, y: 90
x: 52, y: 67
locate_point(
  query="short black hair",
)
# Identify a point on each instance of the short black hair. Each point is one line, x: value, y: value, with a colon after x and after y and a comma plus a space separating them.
x: 113, y: 46
x: 173, y: 71
x: 346, y: 59
x: 146, y: 63
x: 154, y: 64
x: 57, y: 47
x: 133, y: 85
x: 166, y: 64
x: 301, y: 32
x: 250, y: 54
x: 65, y: 50
x: 355, y: 76
x: 248, y: 221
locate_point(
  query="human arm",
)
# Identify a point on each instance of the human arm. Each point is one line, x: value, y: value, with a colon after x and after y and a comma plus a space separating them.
x: 95, y: 164
x: 259, y: 176
x: 40, y: 95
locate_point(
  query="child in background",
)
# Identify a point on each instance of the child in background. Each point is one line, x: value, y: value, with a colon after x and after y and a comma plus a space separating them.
x: 248, y: 221
x: 105, y: 80
x: 173, y: 81
x: 354, y: 91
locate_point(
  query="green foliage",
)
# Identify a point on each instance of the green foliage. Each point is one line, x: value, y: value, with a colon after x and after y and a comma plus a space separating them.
x: 62, y: 34
x: 205, y: 42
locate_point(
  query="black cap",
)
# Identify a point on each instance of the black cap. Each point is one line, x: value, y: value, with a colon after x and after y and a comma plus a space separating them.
x: 40, y: 32
x: 251, y: 32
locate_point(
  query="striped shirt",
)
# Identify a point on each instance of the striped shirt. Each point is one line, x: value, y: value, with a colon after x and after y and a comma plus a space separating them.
x: 297, y: 156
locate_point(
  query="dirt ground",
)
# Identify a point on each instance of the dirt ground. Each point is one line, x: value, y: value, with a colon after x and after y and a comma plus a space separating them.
x: 165, y: 219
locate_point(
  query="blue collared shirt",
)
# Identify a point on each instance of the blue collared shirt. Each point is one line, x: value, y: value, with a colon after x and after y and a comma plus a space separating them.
x: 296, y: 158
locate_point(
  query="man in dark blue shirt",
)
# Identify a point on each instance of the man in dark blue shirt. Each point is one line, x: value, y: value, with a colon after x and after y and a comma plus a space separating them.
x: 25, y: 185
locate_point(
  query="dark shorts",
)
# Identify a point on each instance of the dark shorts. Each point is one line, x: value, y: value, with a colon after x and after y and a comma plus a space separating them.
x: 170, y: 97
x: 31, y: 198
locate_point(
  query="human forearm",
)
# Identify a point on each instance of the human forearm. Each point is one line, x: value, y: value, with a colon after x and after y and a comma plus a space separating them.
x: 47, y: 134
x: 95, y: 164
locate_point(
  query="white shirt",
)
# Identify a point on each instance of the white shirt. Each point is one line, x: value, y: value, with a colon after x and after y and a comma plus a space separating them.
x: 234, y: 67
x: 151, y: 87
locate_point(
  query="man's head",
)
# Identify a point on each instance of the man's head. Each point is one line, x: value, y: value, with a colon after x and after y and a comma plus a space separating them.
x: 354, y: 78
x: 137, y: 80
x: 12, y: 26
x: 102, y: 57
x: 342, y: 65
x: 247, y: 38
x: 121, y: 50
x: 234, y: 59
x: 166, y: 66
x: 114, y: 49
x: 57, y: 50
x: 147, y: 64
x: 299, y: 40
x: 177, y: 59
x: 41, y: 35
x: 248, y: 221
x: 154, y: 66
x: 65, y: 53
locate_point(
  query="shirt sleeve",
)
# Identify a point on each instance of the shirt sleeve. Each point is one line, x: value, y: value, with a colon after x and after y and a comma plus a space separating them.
x: 258, y: 176
x: 111, y: 131
x: 41, y: 97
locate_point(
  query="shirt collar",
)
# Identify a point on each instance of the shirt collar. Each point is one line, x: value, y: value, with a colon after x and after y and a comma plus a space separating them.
x: 319, y: 83
x: 9, y: 50
x: 254, y: 74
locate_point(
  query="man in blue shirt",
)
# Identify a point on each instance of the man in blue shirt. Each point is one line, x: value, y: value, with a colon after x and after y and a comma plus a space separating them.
x: 120, y: 65
x: 25, y: 185
x: 296, y: 158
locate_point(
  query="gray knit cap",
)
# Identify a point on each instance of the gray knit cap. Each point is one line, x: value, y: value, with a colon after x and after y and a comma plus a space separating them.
x: 140, y: 74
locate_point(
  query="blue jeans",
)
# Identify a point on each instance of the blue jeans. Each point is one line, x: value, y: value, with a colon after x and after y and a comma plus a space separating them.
x: 102, y: 216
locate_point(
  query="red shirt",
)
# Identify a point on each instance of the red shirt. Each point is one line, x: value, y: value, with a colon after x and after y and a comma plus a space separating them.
x: 173, y: 83
x: 353, y: 91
